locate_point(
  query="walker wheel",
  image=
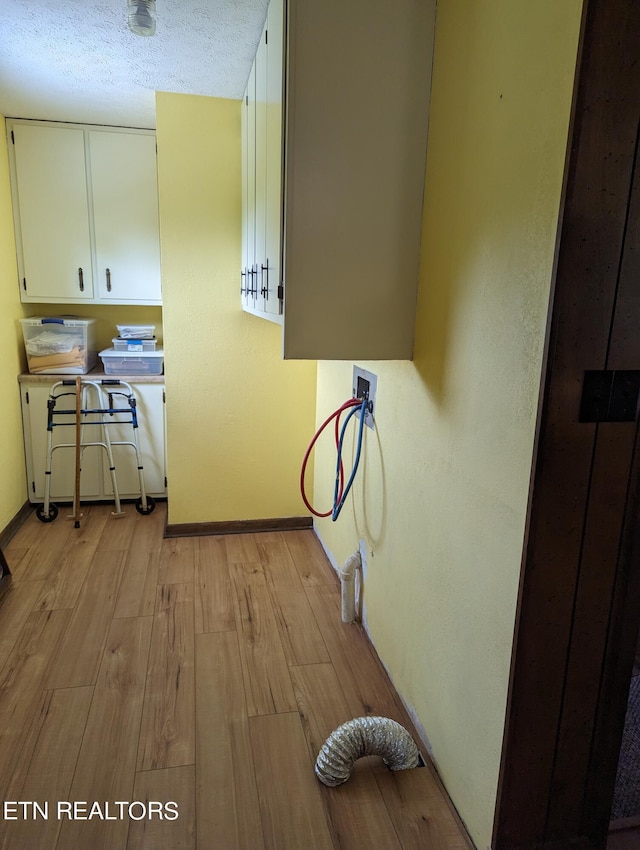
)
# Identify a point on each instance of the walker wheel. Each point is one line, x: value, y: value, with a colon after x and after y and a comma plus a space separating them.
x: 47, y: 517
x: 150, y: 506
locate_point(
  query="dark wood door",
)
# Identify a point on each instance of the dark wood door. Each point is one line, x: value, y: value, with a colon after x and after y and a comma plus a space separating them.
x: 579, y: 605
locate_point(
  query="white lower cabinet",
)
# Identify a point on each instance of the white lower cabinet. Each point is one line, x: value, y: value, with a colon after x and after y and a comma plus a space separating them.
x: 95, y: 480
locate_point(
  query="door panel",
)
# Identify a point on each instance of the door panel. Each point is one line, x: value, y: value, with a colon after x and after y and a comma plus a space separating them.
x: 578, y: 610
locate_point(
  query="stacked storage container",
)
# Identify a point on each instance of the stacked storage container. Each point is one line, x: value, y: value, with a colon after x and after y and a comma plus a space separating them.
x: 134, y: 352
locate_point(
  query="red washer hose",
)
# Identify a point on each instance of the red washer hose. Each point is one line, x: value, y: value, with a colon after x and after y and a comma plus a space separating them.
x: 352, y: 402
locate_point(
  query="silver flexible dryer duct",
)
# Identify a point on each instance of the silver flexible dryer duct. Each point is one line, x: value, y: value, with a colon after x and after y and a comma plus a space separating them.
x: 365, y: 736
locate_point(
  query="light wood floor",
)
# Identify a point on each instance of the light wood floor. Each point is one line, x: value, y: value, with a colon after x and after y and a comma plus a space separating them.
x: 205, y: 672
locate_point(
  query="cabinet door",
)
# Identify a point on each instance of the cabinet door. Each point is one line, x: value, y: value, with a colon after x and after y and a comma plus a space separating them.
x: 125, y: 210
x: 260, y: 201
x: 34, y: 417
x: 151, y: 444
x: 249, y: 185
x: 245, y: 153
x: 262, y: 195
x: 273, y: 214
x: 52, y: 214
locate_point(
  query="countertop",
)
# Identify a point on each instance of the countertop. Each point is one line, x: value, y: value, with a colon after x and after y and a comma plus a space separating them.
x: 96, y: 374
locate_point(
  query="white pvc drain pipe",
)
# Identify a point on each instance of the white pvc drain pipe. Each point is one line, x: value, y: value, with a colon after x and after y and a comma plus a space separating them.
x: 348, y: 586
x: 365, y: 736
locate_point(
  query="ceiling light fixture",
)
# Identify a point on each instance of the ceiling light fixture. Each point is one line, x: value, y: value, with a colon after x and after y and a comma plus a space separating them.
x: 142, y: 17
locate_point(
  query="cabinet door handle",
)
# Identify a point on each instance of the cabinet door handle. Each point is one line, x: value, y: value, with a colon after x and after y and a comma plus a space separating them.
x: 108, y: 273
x: 264, y: 289
x: 243, y: 288
x: 81, y: 279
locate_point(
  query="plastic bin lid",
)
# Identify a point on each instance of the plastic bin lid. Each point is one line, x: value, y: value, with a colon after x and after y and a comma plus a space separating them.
x: 135, y: 355
x: 67, y: 321
x: 133, y: 339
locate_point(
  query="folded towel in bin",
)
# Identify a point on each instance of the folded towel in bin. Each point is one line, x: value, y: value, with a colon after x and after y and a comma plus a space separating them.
x: 71, y: 359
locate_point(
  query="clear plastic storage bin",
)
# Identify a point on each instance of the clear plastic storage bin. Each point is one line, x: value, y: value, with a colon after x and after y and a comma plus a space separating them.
x: 59, y: 345
x: 132, y: 362
x: 134, y: 344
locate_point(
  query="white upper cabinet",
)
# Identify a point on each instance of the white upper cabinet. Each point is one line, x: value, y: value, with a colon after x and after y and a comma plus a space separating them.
x: 261, y: 174
x: 86, y: 213
x: 352, y: 136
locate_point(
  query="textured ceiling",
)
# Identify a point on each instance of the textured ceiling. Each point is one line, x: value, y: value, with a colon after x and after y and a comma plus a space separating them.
x: 76, y: 60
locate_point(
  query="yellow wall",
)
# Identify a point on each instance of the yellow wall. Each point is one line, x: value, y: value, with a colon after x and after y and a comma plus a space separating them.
x: 238, y: 416
x: 13, y: 491
x: 441, y: 499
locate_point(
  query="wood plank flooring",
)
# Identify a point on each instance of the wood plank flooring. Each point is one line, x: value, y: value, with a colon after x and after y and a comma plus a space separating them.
x: 174, y: 693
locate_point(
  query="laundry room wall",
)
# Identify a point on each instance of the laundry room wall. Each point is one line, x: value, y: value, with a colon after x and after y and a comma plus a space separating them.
x: 238, y: 416
x: 13, y: 486
x: 440, y: 501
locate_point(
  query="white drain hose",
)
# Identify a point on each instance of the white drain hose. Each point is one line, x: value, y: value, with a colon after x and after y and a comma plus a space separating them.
x: 365, y: 736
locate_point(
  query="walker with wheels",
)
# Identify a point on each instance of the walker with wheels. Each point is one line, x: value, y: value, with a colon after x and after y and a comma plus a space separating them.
x: 96, y: 406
